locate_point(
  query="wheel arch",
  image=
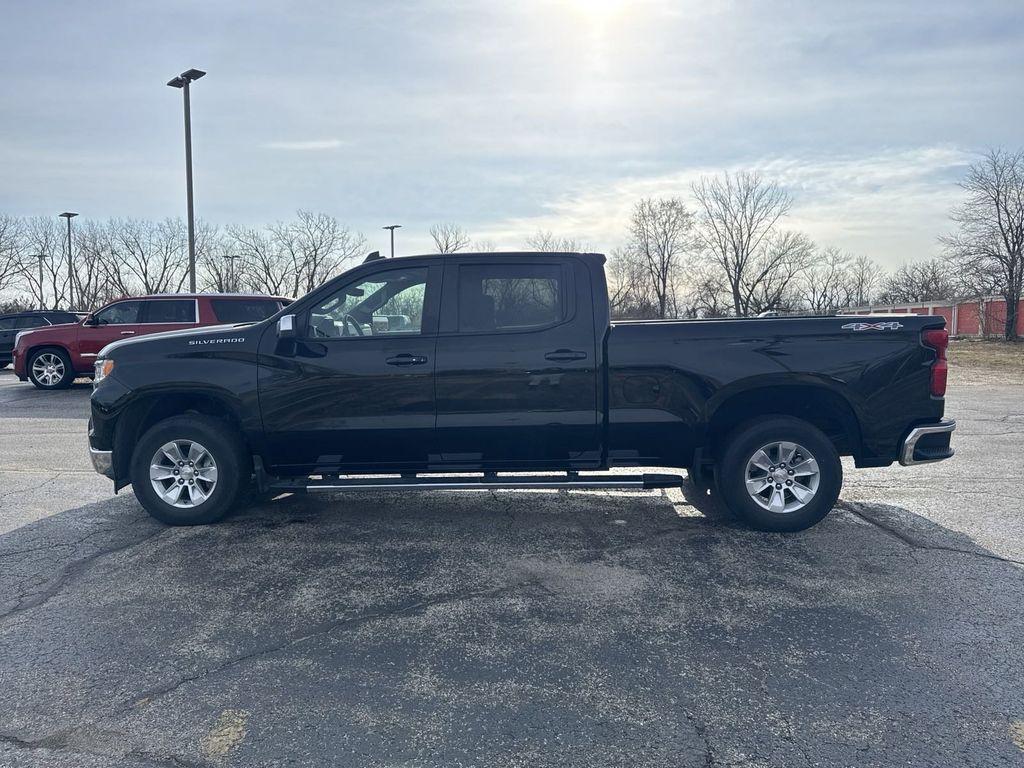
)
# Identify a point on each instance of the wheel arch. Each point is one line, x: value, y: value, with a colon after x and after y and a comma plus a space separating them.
x: 41, y: 346
x: 152, y: 408
x: 817, y: 404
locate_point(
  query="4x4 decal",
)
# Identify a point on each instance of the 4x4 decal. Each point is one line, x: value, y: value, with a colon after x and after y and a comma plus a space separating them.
x: 890, y: 325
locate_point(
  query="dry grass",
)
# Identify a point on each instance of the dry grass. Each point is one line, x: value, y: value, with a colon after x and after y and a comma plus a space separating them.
x: 1002, y: 358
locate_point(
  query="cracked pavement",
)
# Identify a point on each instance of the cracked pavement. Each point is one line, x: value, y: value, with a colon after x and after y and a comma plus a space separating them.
x: 512, y: 629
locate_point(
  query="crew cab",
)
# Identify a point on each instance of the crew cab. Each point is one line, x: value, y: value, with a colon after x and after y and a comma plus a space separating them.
x: 13, y: 324
x: 52, y: 358
x: 458, y: 371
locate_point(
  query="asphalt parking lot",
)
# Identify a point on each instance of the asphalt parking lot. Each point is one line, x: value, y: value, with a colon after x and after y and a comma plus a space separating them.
x: 513, y: 629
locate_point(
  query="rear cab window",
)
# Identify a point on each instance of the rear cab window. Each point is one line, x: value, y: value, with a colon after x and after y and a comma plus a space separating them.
x: 510, y: 297
x: 244, y: 310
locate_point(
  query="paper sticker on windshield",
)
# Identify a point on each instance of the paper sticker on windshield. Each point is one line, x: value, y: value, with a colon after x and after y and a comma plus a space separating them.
x: 887, y: 326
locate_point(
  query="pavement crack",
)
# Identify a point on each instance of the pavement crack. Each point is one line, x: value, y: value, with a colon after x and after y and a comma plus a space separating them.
x: 853, y: 508
x: 69, y: 573
x: 58, y: 742
x: 326, y: 627
x: 30, y: 489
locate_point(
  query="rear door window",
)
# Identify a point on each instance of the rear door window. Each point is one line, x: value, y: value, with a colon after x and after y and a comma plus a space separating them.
x: 30, y: 321
x: 510, y: 297
x: 7, y: 323
x: 169, y: 311
x: 244, y: 310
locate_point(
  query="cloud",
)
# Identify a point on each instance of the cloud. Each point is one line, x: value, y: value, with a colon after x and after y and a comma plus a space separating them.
x: 891, y: 205
x: 305, y: 146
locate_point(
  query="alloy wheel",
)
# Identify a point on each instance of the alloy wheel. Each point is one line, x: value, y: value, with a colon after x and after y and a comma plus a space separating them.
x: 48, y: 369
x: 183, y: 473
x: 782, y: 477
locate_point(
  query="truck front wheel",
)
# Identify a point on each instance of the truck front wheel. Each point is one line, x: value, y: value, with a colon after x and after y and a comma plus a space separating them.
x: 189, y: 470
x: 779, y: 474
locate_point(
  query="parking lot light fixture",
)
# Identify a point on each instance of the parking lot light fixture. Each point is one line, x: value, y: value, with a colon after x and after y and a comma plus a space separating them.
x: 392, y: 227
x: 42, y: 297
x: 71, y: 267
x: 182, y: 81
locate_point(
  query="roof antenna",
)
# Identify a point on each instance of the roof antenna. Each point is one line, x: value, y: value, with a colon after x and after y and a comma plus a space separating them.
x: 372, y: 257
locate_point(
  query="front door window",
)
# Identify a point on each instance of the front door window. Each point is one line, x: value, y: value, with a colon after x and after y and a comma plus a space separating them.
x: 384, y: 304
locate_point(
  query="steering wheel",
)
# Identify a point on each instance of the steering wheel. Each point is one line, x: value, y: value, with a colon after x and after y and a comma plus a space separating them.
x: 347, y: 321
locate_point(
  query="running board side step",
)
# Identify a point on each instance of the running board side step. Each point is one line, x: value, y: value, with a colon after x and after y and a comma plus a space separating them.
x: 488, y: 481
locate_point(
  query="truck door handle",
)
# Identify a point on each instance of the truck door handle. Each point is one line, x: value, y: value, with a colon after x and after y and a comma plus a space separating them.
x: 565, y: 354
x: 127, y: 333
x: 405, y: 359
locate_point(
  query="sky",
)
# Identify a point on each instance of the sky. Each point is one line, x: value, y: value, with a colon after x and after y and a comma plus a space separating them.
x: 508, y: 117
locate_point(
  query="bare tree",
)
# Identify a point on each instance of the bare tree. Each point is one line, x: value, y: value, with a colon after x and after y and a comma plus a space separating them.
x: 545, y: 240
x: 146, y: 256
x: 93, y: 265
x: 829, y: 283
x: 865, y: 278
x: 918, y: 281
x: 317, y: 247
x: 265, y: 269
x: 11, y: 265
x: 661, y: 235
x: 709, y: 294
x: 43, y: 237
x: 484, y: 246
x: 221, y: 265
x: 449, y: 238
x: 629, y: 289
x: 989, y: 243
x: 739, y: 216
x: 771, y: 285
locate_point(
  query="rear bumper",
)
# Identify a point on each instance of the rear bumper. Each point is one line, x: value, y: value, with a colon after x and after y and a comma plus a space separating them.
x: 927, y: 443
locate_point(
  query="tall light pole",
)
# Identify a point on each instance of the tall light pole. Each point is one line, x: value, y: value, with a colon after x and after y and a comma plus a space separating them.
x: 71, y: 267
x: 232, y: 288
x: 182, y: 81
x: 392, y: 227
x: 42, y: 297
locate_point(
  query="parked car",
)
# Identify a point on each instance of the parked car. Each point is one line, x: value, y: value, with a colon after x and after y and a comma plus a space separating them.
x: 12, y: 324
x: 51, y: 358
x: 497, y: 363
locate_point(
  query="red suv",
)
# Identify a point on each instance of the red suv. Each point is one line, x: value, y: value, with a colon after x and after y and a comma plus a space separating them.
x: 53, y: 357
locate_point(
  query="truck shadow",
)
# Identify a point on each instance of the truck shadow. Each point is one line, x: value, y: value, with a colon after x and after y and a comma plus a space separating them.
x: 581, y: 621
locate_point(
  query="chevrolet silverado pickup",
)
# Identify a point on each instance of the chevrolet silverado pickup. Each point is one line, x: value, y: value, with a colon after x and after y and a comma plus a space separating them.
x: 505, y: 371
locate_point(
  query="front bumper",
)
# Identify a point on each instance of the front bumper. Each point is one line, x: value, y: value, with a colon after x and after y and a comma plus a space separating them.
x: 19, y: 365
x: 102, y: 462
x: 927, y: 443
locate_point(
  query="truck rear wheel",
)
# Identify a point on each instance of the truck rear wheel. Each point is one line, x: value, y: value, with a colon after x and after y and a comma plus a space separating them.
x: 779, y: 474
x: 189, y: 470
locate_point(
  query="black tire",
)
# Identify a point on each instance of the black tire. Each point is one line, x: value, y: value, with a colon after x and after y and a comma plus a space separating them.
x: 65, y: 381
x: 223, y: 444
x: 741, y: 446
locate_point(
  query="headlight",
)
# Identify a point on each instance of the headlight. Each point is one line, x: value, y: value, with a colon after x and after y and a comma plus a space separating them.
x: 18, y: 336
x: 102, y: 369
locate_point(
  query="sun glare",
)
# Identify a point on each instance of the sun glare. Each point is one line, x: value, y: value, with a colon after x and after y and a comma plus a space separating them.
x: 598, y: 10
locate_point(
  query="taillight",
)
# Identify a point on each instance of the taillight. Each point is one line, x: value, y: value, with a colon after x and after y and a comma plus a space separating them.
x: 937, y: 339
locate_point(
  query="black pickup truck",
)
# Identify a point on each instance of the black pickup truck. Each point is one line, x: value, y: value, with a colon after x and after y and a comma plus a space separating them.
x: 471, y: 370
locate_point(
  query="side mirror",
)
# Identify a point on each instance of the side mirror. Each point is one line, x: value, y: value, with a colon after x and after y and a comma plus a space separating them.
x: 286, y: 327
x: 90, y: 320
